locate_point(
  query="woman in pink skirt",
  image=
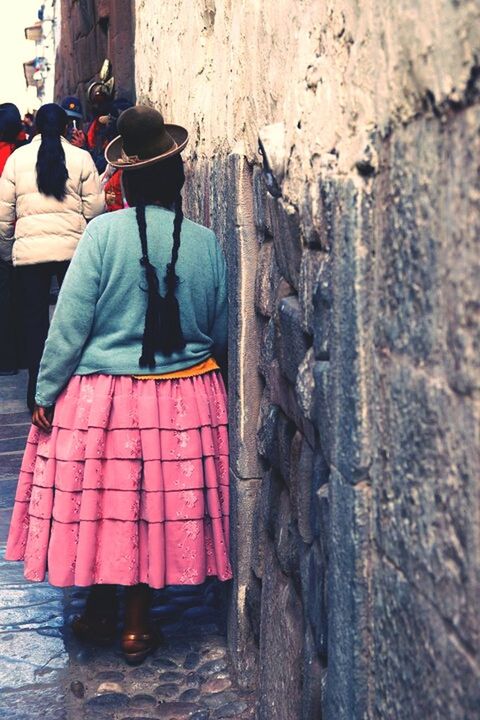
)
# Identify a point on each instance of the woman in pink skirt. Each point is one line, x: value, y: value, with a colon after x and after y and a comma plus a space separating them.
x: 125, y: 480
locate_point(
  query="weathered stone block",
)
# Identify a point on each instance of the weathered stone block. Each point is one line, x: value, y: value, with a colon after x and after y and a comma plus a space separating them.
x: 291, y: 481
x: 320, y: 517
x: 421, y: 668
x: 280, y: 646
x: 322, y: 334
x: 348, y: 596
x: 253, y: 607
x: 270, y: 215
x: 324, y: 682
x: 325, y: 202
x: 425, y: 493
x: 267, y: 280
x: 305, y: 385
x: 311, y: 680
x: 292, y: 342
x: 285, y: 433
x: 302, y: 486
x: 259, y: 201
x: 79, y: 21
x: 267, y: 438
x: 351, y: 356
x: 324, y: 281
x: 215, y: 184
x: 267, y: 347
x: 284, y: 289
x: 403, y: 236
x: 244, y: 330
x: 409, y: 264
x: 286, y: 538
x: 314, y: 595
x: 322, y: 310
x: 240, y: 637
x: 282, y: 393
x: 270, y: 501
x: 323, y: 408
x: 259, y: 529
x: 288, y: 242
x: 310, y: 266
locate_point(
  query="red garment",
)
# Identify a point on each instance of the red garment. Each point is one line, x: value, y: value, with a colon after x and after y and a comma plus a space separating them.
x: 6, y: 149
x: 92, y: 134
x: 113, y: 192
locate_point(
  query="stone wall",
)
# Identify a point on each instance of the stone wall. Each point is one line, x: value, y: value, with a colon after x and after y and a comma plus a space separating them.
x: 92, y: 30
x: 354, y: 336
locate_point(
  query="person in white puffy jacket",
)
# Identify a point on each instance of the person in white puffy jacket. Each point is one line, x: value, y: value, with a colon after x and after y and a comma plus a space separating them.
x: 49, y: 190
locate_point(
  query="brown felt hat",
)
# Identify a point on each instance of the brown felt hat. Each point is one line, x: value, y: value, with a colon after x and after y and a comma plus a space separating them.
x: 144, y: 139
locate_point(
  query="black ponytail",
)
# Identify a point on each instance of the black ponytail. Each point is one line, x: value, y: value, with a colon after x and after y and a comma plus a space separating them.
x: 159, y: 184
x: 52, y: 173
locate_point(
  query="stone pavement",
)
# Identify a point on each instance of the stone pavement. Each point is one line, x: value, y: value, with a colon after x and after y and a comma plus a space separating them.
x: 45, y: 672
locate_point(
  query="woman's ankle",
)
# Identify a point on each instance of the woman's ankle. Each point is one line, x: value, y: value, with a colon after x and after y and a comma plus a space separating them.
x: 138, y: 600
x: 102, y: 601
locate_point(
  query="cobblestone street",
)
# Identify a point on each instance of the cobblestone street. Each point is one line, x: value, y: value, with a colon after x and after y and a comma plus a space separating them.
x: 45, y: 672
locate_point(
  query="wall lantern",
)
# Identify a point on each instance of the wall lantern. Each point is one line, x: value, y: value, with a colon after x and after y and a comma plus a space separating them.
x: 34, y: 32
x: 29, y: 72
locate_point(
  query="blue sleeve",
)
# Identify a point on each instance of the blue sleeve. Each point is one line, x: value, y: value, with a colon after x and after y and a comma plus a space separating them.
x: 72, y: 321
x: 219, y: 329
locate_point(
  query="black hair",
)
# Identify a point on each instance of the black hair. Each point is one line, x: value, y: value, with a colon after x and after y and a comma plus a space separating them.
x: 10, y: 122
x: 52, y: 173
x: 159, y: 184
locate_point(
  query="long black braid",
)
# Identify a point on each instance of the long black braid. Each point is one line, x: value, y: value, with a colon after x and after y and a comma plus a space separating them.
x: 173, y: 330
x: 159, y: 184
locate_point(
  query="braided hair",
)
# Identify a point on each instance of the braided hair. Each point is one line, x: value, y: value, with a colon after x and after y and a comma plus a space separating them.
x: 159, y: 184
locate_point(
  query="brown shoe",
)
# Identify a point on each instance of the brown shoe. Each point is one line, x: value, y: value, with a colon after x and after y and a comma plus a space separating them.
x: 137, y: 646
x: 96, y: 631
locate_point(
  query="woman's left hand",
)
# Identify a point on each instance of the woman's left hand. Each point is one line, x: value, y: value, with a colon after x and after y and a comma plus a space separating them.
x: 42, y: 417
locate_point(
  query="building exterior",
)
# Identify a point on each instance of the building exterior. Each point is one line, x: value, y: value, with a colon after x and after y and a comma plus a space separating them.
x: 92, y: 30
x: 354, y: 383
x: 43, y: 33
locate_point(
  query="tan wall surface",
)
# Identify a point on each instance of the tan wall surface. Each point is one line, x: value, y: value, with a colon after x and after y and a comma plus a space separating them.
x: 227, y: 68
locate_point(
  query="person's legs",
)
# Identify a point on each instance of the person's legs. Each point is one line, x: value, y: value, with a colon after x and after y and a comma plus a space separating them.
x: 34, y: 289
x: 138, y: 599
x: 8, y: 354
x: 137, y: 638
x: 98, y: 622
x: 60, y: 269
x: 102, y: 601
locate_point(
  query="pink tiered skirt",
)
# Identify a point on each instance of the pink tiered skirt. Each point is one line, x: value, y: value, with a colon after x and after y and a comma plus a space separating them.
x: 130, y: 486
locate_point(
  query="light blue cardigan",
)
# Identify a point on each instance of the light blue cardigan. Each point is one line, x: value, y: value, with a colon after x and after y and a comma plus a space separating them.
x: 98, y: 323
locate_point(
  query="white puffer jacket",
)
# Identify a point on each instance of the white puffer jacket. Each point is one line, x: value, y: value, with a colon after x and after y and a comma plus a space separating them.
x: 35, y: 228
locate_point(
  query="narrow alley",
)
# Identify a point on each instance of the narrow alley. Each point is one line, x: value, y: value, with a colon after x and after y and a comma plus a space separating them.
x: 256, y: 405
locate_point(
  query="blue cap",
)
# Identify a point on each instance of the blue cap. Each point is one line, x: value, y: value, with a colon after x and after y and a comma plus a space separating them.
x: 72, y: 107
